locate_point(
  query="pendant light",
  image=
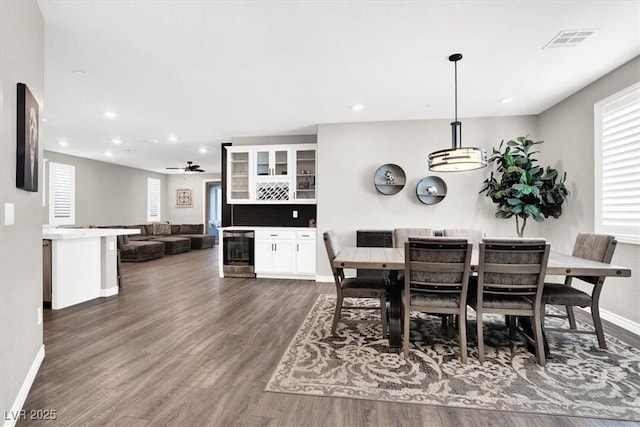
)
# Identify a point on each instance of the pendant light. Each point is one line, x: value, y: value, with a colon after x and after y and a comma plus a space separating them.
x: 457, y: 158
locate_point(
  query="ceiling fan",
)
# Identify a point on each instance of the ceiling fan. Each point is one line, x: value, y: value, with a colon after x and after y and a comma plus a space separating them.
x: 190, y: 167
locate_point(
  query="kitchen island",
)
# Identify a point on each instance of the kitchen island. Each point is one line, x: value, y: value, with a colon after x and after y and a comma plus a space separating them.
x: 82, y: 264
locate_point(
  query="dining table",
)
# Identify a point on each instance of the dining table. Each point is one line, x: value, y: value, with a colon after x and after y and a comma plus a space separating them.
x: 392, y: 259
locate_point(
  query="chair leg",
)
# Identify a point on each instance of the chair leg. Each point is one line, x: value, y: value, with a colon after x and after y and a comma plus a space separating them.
x: 480, y: 337
x: 597, y: 324
x: 405, y: 338
x: 538, y: 337
x: 383, y: 315
x: 512, y: 327
x: 571, y: 316
x: 336, y: 314
x: 462, y: 336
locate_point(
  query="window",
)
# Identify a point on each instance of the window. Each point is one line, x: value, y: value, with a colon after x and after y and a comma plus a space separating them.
x: 62, y: 193
x: 153, y: 199
x: 617, y: 165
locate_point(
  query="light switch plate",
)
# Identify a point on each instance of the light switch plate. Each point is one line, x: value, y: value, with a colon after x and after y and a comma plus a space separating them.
x: 295, y: 214
x: 9, y: 214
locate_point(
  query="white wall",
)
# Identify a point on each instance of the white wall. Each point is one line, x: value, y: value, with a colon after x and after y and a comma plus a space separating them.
x: 350, y: 153
x: 195, y: 214
x: 21, y: 60
x: 568, y: 129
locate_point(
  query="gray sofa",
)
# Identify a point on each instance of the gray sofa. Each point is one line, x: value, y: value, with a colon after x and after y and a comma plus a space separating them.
x: 161, y: 238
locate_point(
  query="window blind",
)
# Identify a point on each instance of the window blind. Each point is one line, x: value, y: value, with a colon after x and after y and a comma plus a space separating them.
x: 618, y: 161
x: 153, y: 199
x: 62, y: 188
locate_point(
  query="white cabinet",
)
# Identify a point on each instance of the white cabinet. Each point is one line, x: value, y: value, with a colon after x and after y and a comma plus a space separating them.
x: 304, y: 159
x: 239, y: 175
x: 306, y: 253
x: 271, y: 174
x: 274, y: 252
x: 272, y: 160
x: 284, y: 253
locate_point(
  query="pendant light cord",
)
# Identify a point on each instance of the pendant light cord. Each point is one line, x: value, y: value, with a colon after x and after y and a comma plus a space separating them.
x: 455, y: 65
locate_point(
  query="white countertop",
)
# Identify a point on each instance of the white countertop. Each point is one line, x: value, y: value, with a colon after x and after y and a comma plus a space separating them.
x: 251, y: 227
x: 49, y: 233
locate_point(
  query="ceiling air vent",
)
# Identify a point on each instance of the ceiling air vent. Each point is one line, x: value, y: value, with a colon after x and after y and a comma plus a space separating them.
x: 568, y: 38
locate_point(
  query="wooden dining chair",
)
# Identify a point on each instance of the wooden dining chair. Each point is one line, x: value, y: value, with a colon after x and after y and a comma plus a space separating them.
x: 510, y: 282
x: 436, y: 281
x: 595, y: 247
x: 474, y: 236
x: 401, y: 235
x: 354, y: 287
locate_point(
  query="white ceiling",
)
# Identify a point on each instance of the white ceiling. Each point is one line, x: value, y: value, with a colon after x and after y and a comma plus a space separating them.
x: 207, y: 71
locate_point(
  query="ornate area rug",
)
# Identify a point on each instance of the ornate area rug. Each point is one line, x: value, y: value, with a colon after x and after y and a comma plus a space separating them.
x: 579, y: 380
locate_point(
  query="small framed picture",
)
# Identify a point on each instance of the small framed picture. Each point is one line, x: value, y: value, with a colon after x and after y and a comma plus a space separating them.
x: 184, y: 198
x: 27, y: 136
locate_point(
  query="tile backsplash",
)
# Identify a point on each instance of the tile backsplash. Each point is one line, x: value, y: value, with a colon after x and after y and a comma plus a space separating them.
x: 272, y: 215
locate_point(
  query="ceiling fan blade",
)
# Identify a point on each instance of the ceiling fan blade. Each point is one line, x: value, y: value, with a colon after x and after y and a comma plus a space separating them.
x: 198, y: 170
x: 194, y: 166
x: 174, y: 168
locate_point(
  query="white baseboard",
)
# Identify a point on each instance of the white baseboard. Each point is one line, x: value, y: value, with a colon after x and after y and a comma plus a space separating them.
x: 11, y: 418
x: 618, y: 320
x: 324, y: 279
x: 109, y: 292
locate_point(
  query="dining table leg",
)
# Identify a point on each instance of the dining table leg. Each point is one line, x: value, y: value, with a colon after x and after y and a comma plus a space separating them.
x: 395, y: 311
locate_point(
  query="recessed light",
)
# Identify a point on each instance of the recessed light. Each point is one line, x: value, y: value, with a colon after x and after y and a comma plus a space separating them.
x: 116, y: 141
x: 357, y: 107
x: 63, y: 143
x: 506, y: 100
x: 153, y: 141
x: 108, y: 153
x: 44, y: 119
x: 203, y: 150
x: 78, y: 72
x: 172, y: 138
x: 110, y: 114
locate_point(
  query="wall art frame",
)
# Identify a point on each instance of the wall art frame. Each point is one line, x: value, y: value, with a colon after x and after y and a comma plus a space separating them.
x: 184, y: 198
x: 28, y: 132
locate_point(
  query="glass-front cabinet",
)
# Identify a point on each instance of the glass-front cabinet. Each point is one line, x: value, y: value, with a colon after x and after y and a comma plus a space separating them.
x: 271, y: 174
x: 238, y: 177
x: 270, y: 162
x: 305, y: 172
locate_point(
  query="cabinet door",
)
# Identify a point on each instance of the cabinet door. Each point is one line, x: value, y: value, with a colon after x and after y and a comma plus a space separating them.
x: 264, y: 254
x: 305, y: 174
x: 271, y: 161
x: 284, y: 256
x: 306, y: 257
x: 238, y: 176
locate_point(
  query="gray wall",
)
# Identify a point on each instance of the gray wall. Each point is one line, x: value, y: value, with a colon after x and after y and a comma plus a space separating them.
x: 21, y: 60
x: 274, y: 140
x: 108, y: 194
x: 350, y: 153
x: 568, y: 130
x: 195, y: 214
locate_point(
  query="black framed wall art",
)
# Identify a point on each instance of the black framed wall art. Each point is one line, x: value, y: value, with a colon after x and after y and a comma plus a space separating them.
x: 28, y: 133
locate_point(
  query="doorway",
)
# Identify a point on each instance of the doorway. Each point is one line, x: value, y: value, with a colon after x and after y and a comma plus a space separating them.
x: 213, y: 208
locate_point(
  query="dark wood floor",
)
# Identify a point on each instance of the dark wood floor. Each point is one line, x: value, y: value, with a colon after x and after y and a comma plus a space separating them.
x: 181, y: 347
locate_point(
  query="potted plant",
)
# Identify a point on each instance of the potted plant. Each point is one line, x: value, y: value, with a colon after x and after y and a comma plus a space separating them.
x: 522, y: 189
